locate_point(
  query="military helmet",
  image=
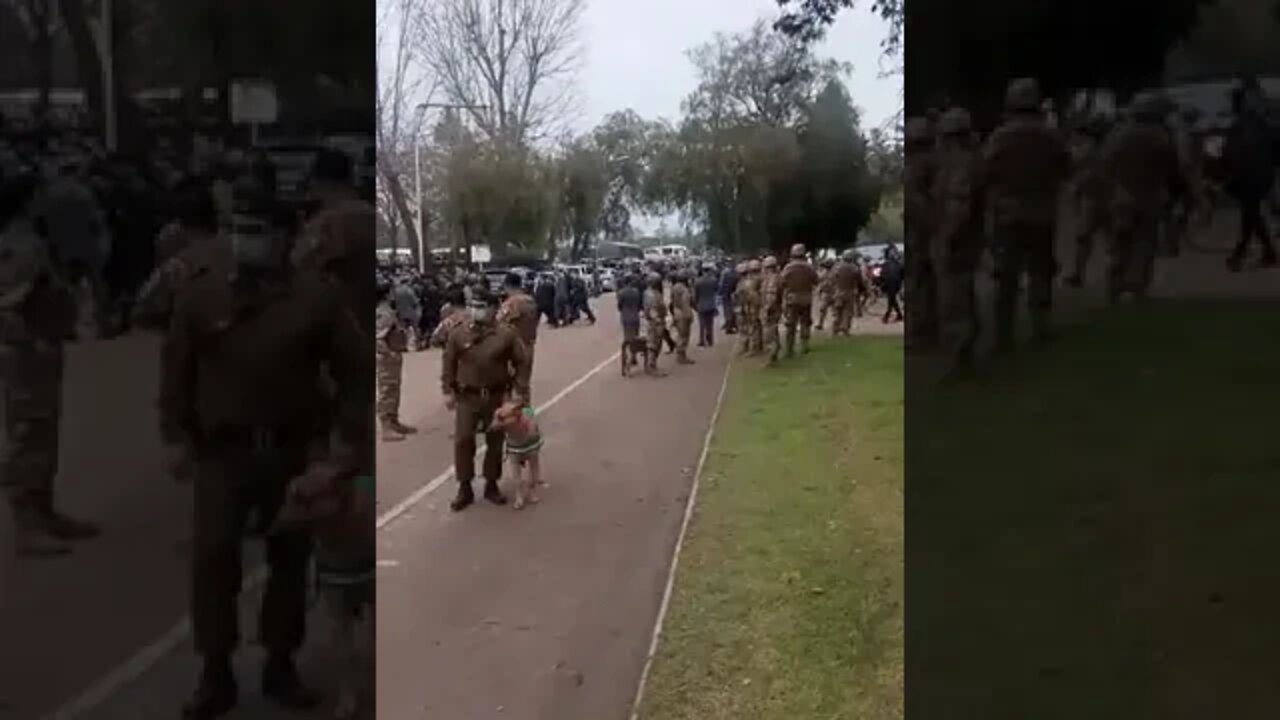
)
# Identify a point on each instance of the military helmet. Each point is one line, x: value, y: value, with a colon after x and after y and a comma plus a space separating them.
x: 22, y: 260
x: 955, y: 121
x: 653, y: 279
x: 753, y: 266
x: 850, y: 255
x: 798, y: 250
x: 1022, y: 95
x: 770, y: 263
x: 741, y: 267
x: 917, y: 130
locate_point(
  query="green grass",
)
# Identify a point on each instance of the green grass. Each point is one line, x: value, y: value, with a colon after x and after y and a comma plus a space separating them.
x: 1093, y: 528
x: 788, y: 602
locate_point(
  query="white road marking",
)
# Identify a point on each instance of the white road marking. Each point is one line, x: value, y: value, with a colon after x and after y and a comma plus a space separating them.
x: 416, y: 497
x: 689, y: 506
x: 148, y: 657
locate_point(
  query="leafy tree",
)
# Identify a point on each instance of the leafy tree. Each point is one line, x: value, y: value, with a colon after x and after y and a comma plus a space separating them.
x: 808, y: 20
x: 584, y: 185
x: 841, y: 194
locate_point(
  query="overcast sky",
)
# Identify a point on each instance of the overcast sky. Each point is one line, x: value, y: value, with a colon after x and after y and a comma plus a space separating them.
x: 636, y: 54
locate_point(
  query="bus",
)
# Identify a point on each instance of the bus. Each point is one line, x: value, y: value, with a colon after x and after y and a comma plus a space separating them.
x: 667, y: 252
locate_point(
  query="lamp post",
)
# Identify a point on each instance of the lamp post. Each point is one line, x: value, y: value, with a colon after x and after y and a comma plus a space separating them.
x: 417, y: 174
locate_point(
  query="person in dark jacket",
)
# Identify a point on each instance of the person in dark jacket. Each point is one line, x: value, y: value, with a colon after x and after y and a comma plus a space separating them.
x: 728, y: 284
x: 1250, y: 153
x: 705, y: 290
x: 579, y: 300
x: 562, y: 298
x: 544, y: 294
x: 891, y: 272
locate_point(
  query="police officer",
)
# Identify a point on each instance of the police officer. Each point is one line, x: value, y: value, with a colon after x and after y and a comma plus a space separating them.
x: 770, y: 304
x: 241, y: 392
x: 485, y: 362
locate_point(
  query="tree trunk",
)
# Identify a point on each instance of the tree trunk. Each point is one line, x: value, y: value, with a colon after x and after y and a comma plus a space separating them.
x: 43, y: 47
x: 88, y: 63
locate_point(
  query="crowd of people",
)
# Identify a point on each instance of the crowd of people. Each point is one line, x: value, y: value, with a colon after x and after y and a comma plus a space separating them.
x: 1134, y: 181
x: 490, y: 338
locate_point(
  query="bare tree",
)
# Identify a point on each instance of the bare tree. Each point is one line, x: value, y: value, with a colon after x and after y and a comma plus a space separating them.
x: 513, y: 62
x: 402, y: 87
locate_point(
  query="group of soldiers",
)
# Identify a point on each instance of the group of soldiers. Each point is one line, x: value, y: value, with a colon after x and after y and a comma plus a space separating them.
x: 768, y: 296
x: 1130, y: 181
x: 657, y: 311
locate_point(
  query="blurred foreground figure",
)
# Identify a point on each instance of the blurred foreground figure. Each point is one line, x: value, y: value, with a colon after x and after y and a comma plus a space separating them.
x: 243, y: 395
x: 37, y: 315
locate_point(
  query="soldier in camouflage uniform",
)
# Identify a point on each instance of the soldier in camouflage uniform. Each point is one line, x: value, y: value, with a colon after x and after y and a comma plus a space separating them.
x: 182, y: 247
x: 1024, y: 165
x: 1141, y: 164
x: 453, y: 314
x: 920, y: 149
x: 798, y: 281
x: 390, y: 343
x: 769, y: 300
x: 825, y: 289
x: 845, y: 279
x: 37, y: 315
x: 682, y: 314
x: 655, y: 316
x: 735, y: 300
x: 1088, y: 188
x: 958, y: 241
x: 751, y: 342
x: 520, y: 313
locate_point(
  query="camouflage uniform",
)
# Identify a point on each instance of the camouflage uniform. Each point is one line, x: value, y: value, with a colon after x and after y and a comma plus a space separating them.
x: 450, y: 318
x: 958, y: 242
x: 751, y: 341
x: 798, y: 281
x: 920, y: 277
x: 390, y: 343
x: 1141, y: 163
x: 682, y: 316
x: 1024, y: 164
x: 37, y: 315
x: 154, y: 304
x: 769, y: 301
x: 655, y: 316
x: 845, y: 280
x: 520, y: 313
x: 824, y: 293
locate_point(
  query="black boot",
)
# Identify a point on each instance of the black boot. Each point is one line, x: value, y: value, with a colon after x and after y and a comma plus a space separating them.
x: 281, y: 684
x: 216, y: 694
x: 493, y: 494
x: 465, y: 497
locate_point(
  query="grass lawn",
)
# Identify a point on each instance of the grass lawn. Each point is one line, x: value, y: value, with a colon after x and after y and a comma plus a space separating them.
x: 788, y: 603
x: 1092, y: 529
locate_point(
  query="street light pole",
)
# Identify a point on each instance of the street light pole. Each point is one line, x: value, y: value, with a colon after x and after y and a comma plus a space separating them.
x: 107, y: 21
